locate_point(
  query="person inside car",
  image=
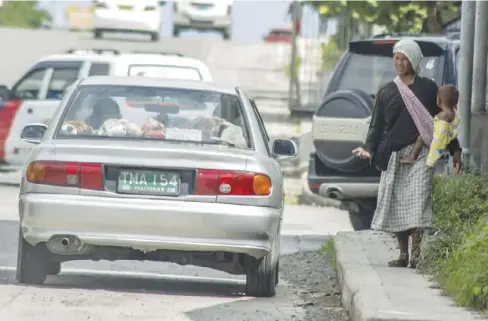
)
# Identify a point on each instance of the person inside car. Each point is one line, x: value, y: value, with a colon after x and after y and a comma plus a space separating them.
x: 105, y: 108
x: 402, y: 111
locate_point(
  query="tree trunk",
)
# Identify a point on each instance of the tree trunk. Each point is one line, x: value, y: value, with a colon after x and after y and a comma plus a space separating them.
x: 433, y: 23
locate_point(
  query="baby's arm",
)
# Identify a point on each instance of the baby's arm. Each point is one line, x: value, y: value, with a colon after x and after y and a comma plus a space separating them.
x: 439, y: 142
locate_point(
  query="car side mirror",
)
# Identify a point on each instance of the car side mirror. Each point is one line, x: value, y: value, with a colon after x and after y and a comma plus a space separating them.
x: 284, y: 148
x: 4, y: 93
x: 33, y: 133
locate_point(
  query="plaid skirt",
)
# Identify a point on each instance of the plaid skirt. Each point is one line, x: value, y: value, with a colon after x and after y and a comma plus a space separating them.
x: 404, y: 195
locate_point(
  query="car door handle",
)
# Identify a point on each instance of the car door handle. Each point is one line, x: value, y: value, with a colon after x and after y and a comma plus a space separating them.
x: 29, y: 111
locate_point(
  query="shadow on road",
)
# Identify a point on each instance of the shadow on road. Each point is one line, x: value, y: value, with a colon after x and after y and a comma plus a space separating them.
x: 150, y: 284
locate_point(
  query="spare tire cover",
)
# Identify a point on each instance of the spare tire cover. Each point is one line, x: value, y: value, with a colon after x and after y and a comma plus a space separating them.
x: 340, y: 124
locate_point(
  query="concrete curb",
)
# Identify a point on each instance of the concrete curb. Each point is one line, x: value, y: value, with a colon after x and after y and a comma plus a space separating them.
x: 363, y: 295
x: 10, y: 178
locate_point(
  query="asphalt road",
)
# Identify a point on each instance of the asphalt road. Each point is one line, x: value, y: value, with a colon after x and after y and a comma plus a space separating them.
x: 126, y: 290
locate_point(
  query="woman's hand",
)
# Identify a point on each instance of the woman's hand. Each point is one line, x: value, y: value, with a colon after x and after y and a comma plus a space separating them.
x: 361, y: 153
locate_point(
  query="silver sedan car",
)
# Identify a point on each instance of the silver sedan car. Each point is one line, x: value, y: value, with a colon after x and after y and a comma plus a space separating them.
x: 136, y: 168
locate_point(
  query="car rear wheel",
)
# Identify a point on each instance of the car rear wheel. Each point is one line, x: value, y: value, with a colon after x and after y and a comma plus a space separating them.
x: 360, y: 213
x: 53, y: 268
x: 176, y: 32
x: 97, y: 33
x: 155, y: 36
x: 32, y: 262
x: 261, y: 276
x: 226, y: 34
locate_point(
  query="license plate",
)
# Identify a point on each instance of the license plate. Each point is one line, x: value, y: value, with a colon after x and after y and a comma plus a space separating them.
x: 149, y: 183
x: 125, y: 7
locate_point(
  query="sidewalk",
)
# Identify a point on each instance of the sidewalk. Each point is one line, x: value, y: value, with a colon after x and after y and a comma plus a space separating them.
x: 374, y: 292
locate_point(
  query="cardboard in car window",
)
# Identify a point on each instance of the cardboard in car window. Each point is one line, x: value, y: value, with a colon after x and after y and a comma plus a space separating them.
x: 184, y: 134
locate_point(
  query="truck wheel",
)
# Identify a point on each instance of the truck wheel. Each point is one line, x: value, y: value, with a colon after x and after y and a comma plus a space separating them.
x: 226, y: 34
x: 32, y: 262
x: 261, y: 277
x: 155, y: 36
x: 53, y: 268
x: 97, y: 33
x: 360, y: 213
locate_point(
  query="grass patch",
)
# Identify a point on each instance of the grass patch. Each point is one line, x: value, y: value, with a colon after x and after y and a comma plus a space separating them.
x: 292, y: 199
x: 457, y: 255
x: 329, y: 248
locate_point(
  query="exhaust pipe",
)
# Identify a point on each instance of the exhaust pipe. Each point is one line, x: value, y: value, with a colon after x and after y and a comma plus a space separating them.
x: 65, y: 242
x: 334, y: 193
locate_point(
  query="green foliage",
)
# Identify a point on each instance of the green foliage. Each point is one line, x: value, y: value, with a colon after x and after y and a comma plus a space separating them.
x: 396, y: 16
x: 287, y: 67
x: 23, y: 14
x: 330, y: 55
x: 457, y: 257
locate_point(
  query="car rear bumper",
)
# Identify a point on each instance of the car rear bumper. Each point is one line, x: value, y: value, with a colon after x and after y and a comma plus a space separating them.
x: 342, y: 187
x: 201, y: 22
x: 146, y: 224
x: 127, y: 21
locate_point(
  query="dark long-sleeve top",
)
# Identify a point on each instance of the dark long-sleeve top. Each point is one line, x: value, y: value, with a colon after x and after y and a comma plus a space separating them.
x: 389, y: 109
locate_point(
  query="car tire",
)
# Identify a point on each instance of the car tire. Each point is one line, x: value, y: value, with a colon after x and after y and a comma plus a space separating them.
x: 155, y: 36
x: 176, y: 32
x: 360, y: 213
x: 53, y: 268
x: 32, y: 262
x: 226, y: 34
x: 97, y: 33
x: 261, y: 276
x: 277, y: 277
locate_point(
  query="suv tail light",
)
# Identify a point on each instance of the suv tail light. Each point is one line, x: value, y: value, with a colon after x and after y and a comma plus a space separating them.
x: 69, y: 174
x: 215, y: 182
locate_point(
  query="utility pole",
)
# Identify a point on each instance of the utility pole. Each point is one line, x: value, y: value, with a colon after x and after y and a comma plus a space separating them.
x: 468, y: 10
x: 478, y: 102
x: 294, y: 99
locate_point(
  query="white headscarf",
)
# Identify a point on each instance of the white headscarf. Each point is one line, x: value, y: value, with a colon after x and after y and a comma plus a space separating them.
x: 411, y: 50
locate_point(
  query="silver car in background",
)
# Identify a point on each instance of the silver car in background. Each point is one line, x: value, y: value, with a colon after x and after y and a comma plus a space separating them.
x: 153, y: 169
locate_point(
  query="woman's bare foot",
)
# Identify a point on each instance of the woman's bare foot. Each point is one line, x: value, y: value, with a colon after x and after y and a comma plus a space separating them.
x: 408, y: 159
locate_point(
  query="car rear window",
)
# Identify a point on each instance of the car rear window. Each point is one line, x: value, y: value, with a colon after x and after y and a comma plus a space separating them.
x: 370, y: 66
x: 153, y: 113
x: 161, y: 71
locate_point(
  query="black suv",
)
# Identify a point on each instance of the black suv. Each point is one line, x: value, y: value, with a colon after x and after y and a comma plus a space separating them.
x: 341, y: 121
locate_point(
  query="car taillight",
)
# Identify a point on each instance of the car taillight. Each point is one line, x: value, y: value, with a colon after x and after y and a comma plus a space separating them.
x: 215, y: 182
x: 69, y: 174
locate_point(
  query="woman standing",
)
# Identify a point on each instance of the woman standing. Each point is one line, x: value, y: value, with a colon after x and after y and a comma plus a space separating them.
x: 399, y: 117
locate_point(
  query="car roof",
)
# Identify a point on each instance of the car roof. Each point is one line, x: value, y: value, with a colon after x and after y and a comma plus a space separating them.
x: 442, y: 40
x: 147, y: 58
x: 156, y: 82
